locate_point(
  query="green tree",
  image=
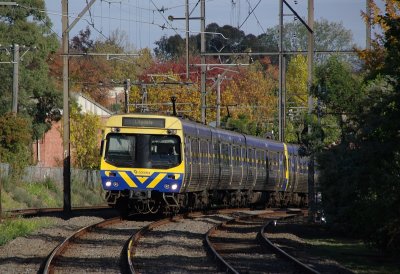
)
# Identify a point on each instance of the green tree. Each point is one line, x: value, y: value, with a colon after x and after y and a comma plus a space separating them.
x: 327, y: 36
x: 297, y: 97
x: 15, y: 138
x: 26, y: 25
x: 226, y: 39
x: 360, y: 176
x: 85, y: 136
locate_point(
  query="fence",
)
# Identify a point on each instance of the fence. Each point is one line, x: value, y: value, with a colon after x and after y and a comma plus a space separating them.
x: 4, y: 170
x: 35, y: 174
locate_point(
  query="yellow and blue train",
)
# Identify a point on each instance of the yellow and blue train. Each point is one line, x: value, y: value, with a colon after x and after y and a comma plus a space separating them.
x: 154, y: 162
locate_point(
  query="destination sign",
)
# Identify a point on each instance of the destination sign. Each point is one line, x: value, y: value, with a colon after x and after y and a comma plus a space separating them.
x: 143, y: 122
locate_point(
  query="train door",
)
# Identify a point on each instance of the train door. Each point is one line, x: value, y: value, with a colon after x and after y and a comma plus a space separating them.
x: 285, y: 169
x: 261, y: 170
x: 245, y: 167
x: 188, y: 163
x: 252, y: 169
x: 194, y: 157
x: 215, y: 162
x: 237, y: 168
x: 205, y: 167
x: 226, y: 170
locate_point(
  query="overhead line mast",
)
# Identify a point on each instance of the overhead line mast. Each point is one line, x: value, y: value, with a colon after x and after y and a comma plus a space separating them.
x: 66, y: 27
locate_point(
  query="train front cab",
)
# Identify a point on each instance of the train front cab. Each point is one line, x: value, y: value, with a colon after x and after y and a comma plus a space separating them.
x: 142, y: 163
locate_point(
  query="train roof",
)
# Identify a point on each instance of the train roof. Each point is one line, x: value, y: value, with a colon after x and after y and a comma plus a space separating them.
x: 207, y: 131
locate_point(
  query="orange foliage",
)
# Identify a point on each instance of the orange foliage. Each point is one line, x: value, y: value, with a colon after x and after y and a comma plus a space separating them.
x: 87, y: 74
x: 375, y: 56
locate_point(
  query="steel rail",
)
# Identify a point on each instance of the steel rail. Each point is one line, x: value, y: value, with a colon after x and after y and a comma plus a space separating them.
x: 134, y: 240
x: 263, y: 240
x: 222, y: 262
x: 49, y: 266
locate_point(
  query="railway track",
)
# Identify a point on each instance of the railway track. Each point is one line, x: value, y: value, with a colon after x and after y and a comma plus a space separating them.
x: 174, y: 245
x: 183, y: 244
x: 238, y: 245
x: 180, y: 244
x: 95, y: 248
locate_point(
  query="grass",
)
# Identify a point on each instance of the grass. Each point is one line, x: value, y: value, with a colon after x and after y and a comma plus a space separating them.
x: 85, y: 195
x: 354, y: 255
x: 43, y: 194
x: 11, y: 229
x: 47, y: 193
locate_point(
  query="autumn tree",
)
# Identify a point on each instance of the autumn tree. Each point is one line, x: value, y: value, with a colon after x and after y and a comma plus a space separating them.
x: 252, y: 94
x: 97, y: 75
x: 160, y: 82
x: 85, y: 136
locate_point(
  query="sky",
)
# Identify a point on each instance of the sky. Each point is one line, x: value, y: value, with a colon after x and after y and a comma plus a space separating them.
x: 146, y: 21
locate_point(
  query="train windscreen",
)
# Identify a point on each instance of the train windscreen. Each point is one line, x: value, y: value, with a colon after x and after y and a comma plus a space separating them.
x: 143, y: 150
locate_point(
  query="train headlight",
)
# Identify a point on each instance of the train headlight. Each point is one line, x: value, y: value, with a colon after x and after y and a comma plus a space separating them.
x: 108, y: 184
x: 174, y: 186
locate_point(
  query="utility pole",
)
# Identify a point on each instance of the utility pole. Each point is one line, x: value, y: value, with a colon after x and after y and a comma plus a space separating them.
x: 15, y: 79
x: 66, y: 27
x: 218, y: 123
x: 187, y: 38
x: 203, y: 60
x: 368, y: 25
x: 1, y: 209
x: 310, y: 59
x: 281, y: 108
x: 66, y: 125
x: 127, y: 86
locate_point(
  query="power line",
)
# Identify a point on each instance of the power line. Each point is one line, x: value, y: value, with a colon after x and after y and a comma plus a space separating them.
x: 250, y: 14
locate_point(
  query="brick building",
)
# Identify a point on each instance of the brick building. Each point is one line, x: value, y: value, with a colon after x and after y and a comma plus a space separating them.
x: 48, y: 151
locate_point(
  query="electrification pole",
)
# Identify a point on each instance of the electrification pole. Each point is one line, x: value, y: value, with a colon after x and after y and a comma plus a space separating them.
x: 66, y: 125
x: 218, y: 122
x: 203, y: 60
x: 66, y: 27
x: 127, y: 89
x: 310, y: 59
x: 187, y: 38
x: 281, y: 108
x: 1, y: 209
x: 368, y: 25
x: 15, y: 79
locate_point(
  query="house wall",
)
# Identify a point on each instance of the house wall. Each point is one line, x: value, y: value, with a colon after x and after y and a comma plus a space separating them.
x: 48, y: 152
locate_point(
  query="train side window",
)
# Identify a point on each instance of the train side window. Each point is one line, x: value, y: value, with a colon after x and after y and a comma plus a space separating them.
x: 236, y: 155
x: 260, y: 159
x: 215, y: 150
x: 204, y: 151
x: 225, y: 153
x: 251, y: 157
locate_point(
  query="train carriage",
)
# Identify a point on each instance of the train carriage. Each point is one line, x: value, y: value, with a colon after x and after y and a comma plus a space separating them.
x: 151, y: 162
